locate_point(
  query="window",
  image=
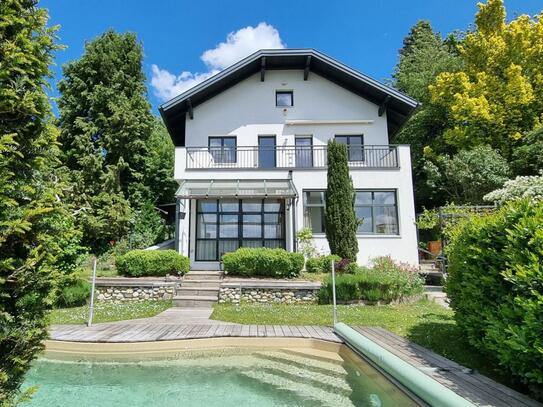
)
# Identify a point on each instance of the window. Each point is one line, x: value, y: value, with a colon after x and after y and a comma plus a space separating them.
x: 224, y: 225
x: 284, y: 98
x: 222, y: 149
x: 378, y: 212
x: 266, y: 151
x: 355, y: 146
x: 314, y: 211
x: 304, y: 151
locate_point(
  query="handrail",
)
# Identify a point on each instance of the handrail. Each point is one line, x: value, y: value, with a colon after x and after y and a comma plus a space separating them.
x: 287, y: 156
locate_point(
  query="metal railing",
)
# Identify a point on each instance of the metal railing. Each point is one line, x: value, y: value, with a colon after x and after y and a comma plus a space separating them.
x: 270, y: 157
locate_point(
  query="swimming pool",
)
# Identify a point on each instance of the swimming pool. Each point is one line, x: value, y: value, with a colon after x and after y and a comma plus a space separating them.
x: 227, y: 377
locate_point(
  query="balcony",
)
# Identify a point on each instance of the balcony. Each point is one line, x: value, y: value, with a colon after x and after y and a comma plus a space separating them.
x: 288, y: 157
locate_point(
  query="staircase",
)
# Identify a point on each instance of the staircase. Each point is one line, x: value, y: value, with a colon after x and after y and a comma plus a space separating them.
x: 198, y: 289
x: 431, y: 273
x: 308, y: 377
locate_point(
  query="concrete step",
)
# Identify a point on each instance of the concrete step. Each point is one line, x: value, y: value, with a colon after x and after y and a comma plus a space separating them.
x: 327, y: 367
x: 198, y: 291
x: 203, y: 275
x: 194, y: 301
x: 201, y: 283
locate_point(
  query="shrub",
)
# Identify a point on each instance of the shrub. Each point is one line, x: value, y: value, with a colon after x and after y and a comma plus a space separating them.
x: 321, y: 264
x: 138, y: 263
x: 518, y: 188
x: 495, y: 287
x: 373, y: 284
x: 74, y: 293
x: 277, y: 263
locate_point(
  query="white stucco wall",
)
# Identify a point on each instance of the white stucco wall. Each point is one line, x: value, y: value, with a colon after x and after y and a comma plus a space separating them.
x: 248, y: 110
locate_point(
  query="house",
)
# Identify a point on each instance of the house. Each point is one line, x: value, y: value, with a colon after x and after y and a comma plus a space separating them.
x: 250, y: 157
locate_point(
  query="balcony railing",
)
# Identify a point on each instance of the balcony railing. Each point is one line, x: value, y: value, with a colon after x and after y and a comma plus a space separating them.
x: 288, y: 157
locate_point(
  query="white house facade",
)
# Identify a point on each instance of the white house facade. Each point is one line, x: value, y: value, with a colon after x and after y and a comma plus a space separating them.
x: 250, y: 157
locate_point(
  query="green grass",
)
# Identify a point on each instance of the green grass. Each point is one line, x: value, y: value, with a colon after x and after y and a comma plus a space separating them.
x: 425, y: 323
x: 108, y: 312
x: 304, y: 275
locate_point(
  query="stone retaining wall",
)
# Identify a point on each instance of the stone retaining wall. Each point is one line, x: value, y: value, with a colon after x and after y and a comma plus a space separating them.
x: 267, y: 295
x: 130, y: 290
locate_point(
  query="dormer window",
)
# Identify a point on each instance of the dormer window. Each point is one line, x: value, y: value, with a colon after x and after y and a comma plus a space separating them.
x: 284, y: 98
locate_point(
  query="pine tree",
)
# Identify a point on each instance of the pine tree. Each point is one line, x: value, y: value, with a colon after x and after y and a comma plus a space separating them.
x: 340, y: 219
x: 37, y: 240
x: 106, y: 127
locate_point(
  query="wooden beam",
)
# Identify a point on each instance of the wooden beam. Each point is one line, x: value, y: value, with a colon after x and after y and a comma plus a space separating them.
x: 189, y: 106
x: 263, y: 69
x: 306, y: 70
x: 383, y: 106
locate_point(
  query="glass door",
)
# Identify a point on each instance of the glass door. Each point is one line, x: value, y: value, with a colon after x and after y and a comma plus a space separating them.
x: 266, y: 152
x: 304, y: 152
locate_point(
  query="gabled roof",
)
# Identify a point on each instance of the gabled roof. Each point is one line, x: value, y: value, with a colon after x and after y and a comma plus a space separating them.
x: 398, y: 105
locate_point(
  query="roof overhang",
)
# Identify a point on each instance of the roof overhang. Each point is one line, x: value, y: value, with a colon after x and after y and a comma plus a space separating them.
x: 397, y: 105
x: 237, y: 188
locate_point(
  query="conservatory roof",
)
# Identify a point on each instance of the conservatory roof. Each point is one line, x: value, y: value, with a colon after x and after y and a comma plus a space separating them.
x: 236, y: 188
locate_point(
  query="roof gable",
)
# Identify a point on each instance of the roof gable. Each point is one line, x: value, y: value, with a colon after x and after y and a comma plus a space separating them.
x: 397, y: 105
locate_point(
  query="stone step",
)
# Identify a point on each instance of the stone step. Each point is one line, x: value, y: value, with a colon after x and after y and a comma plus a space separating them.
x: 203, y: 275
x: 198, y: 291
x: 201, y: 283
x: 303, y: 390
x: 194, y: 301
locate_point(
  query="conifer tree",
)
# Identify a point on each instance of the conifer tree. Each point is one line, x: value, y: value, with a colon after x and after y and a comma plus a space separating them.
x: 340, y: 218
x: 37, y: 240
x: 106, y: 126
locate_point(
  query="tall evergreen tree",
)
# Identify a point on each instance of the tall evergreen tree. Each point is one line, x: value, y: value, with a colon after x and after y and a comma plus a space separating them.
x: 340, y: 218
x: 37, y: 239
x: 106, y: 126
x: 424, y: 56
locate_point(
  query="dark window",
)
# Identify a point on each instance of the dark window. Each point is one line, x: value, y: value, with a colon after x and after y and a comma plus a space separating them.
x: 304, y: 151
x: 222, y: 149
x: 355, y: 146
x: 377, y: 211
x: 266, y: 151
x: 284, y: 98
x: 314, y: 211
x: 224, y: 225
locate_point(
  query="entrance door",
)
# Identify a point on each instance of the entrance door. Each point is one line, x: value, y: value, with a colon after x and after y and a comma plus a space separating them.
x: 266, y: 151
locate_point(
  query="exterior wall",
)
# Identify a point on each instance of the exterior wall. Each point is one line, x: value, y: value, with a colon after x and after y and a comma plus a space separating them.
x: 267, y: 295
x: 248, y: 110
x: 118, y: 294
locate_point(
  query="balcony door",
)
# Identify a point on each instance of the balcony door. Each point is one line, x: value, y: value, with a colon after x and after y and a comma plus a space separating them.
x: 304, y: 151
x: 266, y: 152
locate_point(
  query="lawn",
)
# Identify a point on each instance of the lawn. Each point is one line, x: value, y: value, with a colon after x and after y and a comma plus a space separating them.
x: 425, y: 323
x: 108, y: 312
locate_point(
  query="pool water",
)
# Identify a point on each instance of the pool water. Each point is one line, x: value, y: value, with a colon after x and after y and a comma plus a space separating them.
x: 234, y: 377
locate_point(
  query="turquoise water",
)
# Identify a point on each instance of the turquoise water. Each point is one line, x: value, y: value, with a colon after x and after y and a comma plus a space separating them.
x: 225, y: 379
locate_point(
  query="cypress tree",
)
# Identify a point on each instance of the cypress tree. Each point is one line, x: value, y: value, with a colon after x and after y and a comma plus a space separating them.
x: 37, y: 240
x: 340, y: 218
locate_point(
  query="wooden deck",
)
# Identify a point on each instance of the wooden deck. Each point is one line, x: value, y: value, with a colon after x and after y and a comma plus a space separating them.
x: 478, y: 389
x: 130, y: 332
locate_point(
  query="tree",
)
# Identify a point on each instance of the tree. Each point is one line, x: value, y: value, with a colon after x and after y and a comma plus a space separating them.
x: 424, y: 55
x: 528, y: 156
x: 340, y: 218
x: 160, y: 162
x: 497, y: 96
x: 106, y: 127
x: 37, y: 240
x: 466, y: 177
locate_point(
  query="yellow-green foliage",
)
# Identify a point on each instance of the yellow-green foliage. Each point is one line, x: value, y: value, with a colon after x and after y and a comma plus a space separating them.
x: 495, y: 286
x: 498, y: 95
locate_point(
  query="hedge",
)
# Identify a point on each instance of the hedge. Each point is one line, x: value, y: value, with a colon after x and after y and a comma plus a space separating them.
x: 321, y: 264
x: 495, y: 286
x: 277, y: 263
x: 76, y: 291
x: 138, y: 263
x: 370, y: 284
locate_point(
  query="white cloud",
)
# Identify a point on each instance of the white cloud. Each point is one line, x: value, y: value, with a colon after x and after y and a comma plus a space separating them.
x: 237, y: 46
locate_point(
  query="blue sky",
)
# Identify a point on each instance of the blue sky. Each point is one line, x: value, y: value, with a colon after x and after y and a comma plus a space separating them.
x: 176, y: 34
